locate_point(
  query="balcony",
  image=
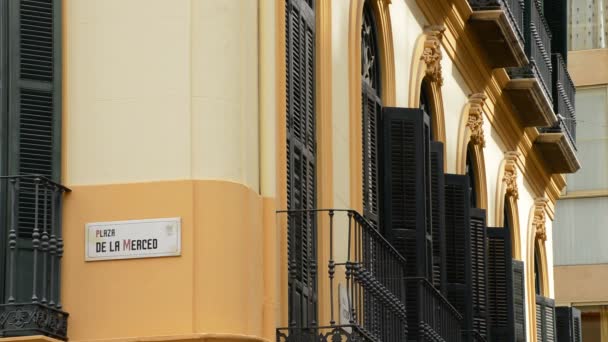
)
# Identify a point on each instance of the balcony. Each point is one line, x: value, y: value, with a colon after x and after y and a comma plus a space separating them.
x: 557, y: 144
x: 31, y: 302
x: 499, y: 24
x: 365, y: 284
x: 530, y: 86
x: 434, y: 318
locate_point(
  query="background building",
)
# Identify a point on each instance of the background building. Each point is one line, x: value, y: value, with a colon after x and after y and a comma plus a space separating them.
x: 580, y: 226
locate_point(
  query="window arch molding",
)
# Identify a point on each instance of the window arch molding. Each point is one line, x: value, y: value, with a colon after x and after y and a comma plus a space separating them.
x: 536, y: 238
x: 471, y: 142
x: 507, y: 194
x: 426, y: 74
x: 384, y: 36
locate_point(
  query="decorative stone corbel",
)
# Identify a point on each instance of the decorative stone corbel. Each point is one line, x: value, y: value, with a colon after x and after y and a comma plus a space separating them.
x: 540, y: 206
x: 475, y: 122
x: 510, y: 175
x: 432, y: 52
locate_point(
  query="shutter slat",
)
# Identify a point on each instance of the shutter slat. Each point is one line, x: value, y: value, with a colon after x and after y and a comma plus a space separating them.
x: 438, y: 216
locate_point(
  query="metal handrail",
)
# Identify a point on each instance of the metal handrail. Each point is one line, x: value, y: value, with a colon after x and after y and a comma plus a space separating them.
x: 372, y: 270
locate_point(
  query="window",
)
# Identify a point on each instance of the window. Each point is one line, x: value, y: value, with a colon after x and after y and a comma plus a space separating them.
x: 372, y: 108
x: 301, y: 162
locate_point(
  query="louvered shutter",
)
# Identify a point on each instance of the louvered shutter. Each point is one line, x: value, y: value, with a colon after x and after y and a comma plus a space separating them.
x: 556, y: 14
x: 301, y: 162
x: 545, y: 319
x: 438, y: 215
x: 519, y: 300
x: 479, y: 280
x: 500, y: 286
x: 406, y: 176
x: 568, y: 324
x: 457, y: 241
x: 406, y: 184
x: 371, y: 125
x: 33, y: 91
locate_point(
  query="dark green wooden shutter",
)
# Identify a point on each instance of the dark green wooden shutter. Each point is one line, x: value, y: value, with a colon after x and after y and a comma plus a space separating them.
x: 545, y: 319
x: 519, y: 300
x: 301, y: 162
x: 500, y: 285
x: 34, y: 97
x: 568, y: 324
x: 479, y: 280
x: 32, y: 89
x: 556, y: 14
x: 371, y: 183
x: 457, y: 240
x: 406, y: 175
x: 438, y: 212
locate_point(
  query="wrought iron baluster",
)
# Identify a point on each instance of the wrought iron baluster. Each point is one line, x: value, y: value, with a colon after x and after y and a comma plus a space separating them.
x: 59, y: 247
x: 35, y: 241
x: 331, y: 267
x: 53, y: 246
x: 45, y: 245
x: 12, y: 241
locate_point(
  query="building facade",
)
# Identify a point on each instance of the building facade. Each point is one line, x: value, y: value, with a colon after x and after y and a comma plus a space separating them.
x: 580, y: 260
x: 379, y: 170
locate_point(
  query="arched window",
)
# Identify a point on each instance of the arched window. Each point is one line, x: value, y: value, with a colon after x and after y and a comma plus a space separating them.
x: 371, y: 107
x: 425, y: 106
x: 537, y: 275
x: 470, y: 169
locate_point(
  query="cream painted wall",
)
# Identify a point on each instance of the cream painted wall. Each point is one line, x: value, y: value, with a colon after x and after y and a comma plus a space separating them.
x: 493, y: 155
x: 225, y: 91
x: 340, y: 105
x: 549, y: 249
x: 455, y: 95
x: 161, y: 98
x: 407, y: 25
x: 127, y: 90
x: 268, y: 98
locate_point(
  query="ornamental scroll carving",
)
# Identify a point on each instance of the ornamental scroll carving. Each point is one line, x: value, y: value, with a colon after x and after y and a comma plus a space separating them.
x: 540, y: 206
x: 510, y: 175
x: 432, y: 53
x: 475, y: 121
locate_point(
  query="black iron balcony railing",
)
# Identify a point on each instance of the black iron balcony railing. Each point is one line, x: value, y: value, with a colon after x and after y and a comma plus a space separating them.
x: 434, y: 319
x: 514, y: 10
x: 537, y: 36
x: 563, y: 97
x: 371, y: 273
x: 31, y: 302
x: 539, y: 39
x: 472, y: 336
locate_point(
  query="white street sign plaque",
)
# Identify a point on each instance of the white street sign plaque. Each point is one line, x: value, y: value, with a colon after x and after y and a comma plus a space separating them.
x: 133, y: 239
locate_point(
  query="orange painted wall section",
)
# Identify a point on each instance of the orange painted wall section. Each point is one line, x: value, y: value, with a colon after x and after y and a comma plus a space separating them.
x: 581, y: 284
x: 216, y: 286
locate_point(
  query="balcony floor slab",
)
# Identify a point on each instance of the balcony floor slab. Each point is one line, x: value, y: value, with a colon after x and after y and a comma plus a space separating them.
x: 499, y: 38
